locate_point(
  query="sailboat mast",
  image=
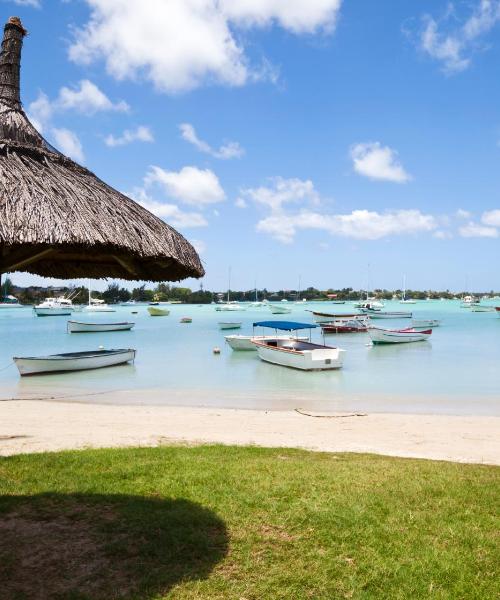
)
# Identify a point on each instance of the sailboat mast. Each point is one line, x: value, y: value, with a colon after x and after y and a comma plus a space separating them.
x: 298, y: 294
x: 404, y: 287
x: 228, y: 284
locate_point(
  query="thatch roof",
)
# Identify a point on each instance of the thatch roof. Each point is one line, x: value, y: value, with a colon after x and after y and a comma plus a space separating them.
x: 57, y: 219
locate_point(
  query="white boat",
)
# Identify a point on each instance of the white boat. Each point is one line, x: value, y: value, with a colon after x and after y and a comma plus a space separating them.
x: 279, y: 309
x: 73, y: 361
x: 98, y: 306
x: 154, y: 311
x: 426, y: 323
x: 10, y: 302
x: 129, y: 303
x: 370, y: 303
x: 385, y: 314
x: 404, y: 299
x: 398, y: 336
x: 244, y: 342
x: 229, y: 307
x: 322, y: 317
x: 482, y: 308
x: 295, y: 353
x: 468, y: 301
x: 83, y: 327
x: 229, y: 324
x: 54, y: 307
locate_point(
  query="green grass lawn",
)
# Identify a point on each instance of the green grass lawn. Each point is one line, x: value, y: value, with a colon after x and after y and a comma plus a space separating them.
x: 245, y: 523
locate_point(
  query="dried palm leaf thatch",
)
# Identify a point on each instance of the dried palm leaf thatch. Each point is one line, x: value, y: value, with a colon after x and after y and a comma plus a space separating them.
x: 57, y: 219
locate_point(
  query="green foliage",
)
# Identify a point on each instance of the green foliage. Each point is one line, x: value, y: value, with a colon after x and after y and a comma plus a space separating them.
x: 272, y: 523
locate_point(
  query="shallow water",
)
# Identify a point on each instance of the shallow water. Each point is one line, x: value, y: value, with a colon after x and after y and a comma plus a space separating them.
x: 457, y: 372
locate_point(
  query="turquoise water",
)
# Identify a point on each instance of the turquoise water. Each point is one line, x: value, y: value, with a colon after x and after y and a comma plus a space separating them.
x: 457, y: 372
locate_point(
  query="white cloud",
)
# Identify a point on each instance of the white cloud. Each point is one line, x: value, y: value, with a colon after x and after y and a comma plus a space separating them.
x: 454, y: 46
x: 491, y: 218
x: 199, y: 245
x: 140, y: 134
x: 379, y: 162
x: 226, y: 151
x: 189, y: 42
x: 240, y: 203
x: 297, y: 16
x: 68, y: 143
x: 40, y: 111
x: 441, y: 234
x: 87, y: 99
x: 476, y: 230
x: 359, y: 224
x: 171, y: 213
x: 463, y: 214
x: 282, y: 191
x: 191, y: 185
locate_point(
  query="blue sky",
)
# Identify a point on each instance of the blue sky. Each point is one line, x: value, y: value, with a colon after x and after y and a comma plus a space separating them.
x: 286, y: 138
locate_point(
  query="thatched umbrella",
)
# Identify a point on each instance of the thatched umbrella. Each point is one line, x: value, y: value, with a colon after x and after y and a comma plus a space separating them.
x: 57, y: 219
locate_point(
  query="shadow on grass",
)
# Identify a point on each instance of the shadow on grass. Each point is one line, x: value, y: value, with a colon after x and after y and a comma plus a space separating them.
x: 72, y: 546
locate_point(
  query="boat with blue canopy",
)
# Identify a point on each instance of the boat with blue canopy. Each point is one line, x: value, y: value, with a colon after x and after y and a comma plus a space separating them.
x: 296, y: 353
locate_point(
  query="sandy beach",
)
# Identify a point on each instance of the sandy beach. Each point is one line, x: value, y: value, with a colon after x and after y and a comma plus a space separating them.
x: 38, y: 426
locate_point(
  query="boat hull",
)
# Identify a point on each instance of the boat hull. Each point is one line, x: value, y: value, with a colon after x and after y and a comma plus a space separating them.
x: 158, y: 312
x: 426, y: 323
x: 297, y: 355
x: 244, y: 342
x: 344, y: 317
x: 376, y: 314
x: 99, y: 309
x: 52, y: 312
x: 73, y: 361
x: 229, y: 325
x: 280, y: 310
x: 81, y: 327
x: 402, y: 336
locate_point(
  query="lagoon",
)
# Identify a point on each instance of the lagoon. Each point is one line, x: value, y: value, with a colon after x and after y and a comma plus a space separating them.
x: 457, y: 372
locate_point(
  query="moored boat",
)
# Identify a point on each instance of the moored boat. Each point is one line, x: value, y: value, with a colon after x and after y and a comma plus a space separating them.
x: 279, y: 309
x: 185, y: 320
x: 322, y: 317
x: 386, y: 314
x: 96, y: 305
x: 480, y: 308
x: 73, y: 361
x: 497, y: 309
x: 426, y: 323
x: 398, y: 336
x: 154, y: 311
x: 244, y: 342
x: 295, y: 353
x: 54, y: 307
x: 345, y: 327
x: 10, y: 302
x: 83, y: 327
x: 229, y: 324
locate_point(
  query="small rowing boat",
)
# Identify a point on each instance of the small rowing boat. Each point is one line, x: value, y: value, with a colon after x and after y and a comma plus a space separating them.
x: 73, y: 361
x: 158, y: 312
x: 82, y: 327
x: 322, y: 317
x: 229, y: 324
x: 279, y: 309
x: 385, y: 314
x: 345, y: 327
x: 425, y: 323
x: 186, y: 320
x: 398, y: 336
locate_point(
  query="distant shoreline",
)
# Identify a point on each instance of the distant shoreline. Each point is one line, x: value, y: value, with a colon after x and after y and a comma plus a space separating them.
x: 28, y: 426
